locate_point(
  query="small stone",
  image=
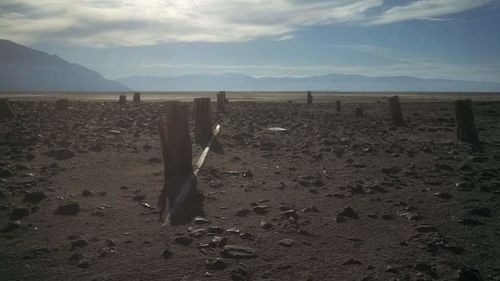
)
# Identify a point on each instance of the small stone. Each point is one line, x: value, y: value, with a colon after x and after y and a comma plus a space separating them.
x: 10, y: 226
x: 261, y: 209
x: 183, y: 240
x: 424, y: 228
x: 265, y: 225
x: 34, y: 197
x: 70, y: 209
x: 218, y: 241
x: 87, y: 193
x: 238, y: 252
x: 242, y: 212
x: 79, y: 244
x: 480, y: 211
x: 469, y: 274
x: 166, y: 254
x: 352, y: 262
x: 19, y: 213
x: 290, y: 214
x: 200, y: 220
x: 349, y: 212
x: 391, y: 269
x: 217, y: 264
x: 443, y: 195
x: 286, y: 242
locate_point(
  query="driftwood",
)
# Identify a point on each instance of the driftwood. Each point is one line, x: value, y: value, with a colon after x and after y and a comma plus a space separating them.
x: 466, y: 129
x: 6, y: 110
x: 309, y: 98
x: 202, y: 119
x: 395, y: 111
x: 191, y: 181
x: 177, y: 153
x: 62, y: 104
x: 122, y: 100
x: 137, y: 97
x: 221, y: 102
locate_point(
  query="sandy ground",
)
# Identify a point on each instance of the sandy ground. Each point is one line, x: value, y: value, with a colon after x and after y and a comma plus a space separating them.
x: 334, y: 197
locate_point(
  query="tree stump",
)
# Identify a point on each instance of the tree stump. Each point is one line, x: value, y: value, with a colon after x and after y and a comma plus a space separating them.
x: 62, y: 104
x: 221, y: 102
x: 203, y: 121
x: 137, y: 97
x: 466, y: 129
x: 358, y: 111
x: 177, y: 153
x: 6, y: 110
x: 122, y: 100
x: 338, y: 106
x: 309, y: 98
x: 395, y: 111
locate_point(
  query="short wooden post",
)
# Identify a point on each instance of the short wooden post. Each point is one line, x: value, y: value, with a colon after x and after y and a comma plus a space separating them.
x: 338, y: 106
x: 221, y: 102
x: 309, y: 98
x: 137, y: 97
x: 177, y: 153
x: 203, y: 121
x: 122, y: 100
x: 62, y: 104
x: 358, y: 111
x: 6, y: 110
x: 466, y: 129
x: 395, y: 111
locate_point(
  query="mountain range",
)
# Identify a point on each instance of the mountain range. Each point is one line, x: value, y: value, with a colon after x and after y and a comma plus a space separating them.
x: 328, y: 82
x: 26, y: 69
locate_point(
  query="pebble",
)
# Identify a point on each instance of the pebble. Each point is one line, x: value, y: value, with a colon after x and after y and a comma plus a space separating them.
x: 70, y: 209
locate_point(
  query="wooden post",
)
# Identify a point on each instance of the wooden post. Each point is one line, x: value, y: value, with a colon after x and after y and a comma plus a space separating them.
x: 177, y: 153
x: 62, y: 104
x: 6, y: 110
x: 221, y: 102
x: 395, y: 110
x: 122, y: 100
x: 466, y: 129
x: 203, y: 121
x: 358, y: 111
x: 309, y: 98
x: 137, y: 97
x: 338, y: 106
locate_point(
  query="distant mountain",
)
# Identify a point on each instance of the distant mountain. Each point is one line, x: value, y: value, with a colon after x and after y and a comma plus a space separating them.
x: 329, y: 82
x: 26, y: 69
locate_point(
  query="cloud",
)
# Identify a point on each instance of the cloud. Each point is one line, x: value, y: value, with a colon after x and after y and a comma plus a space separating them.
x: 132, y: 22
x: 427, y: 10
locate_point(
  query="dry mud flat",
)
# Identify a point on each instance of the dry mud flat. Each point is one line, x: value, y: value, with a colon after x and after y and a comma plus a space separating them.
x: 334, y: 197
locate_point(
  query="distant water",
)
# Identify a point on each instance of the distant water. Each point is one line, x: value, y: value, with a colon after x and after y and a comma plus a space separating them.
x: 251, y: 96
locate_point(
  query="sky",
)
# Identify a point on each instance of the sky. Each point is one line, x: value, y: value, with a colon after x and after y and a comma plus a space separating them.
x: 450, y: 39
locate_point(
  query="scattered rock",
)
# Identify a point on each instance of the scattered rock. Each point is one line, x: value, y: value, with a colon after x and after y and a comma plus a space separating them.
x: 70, y: 209
x: 425, y: 228
x: 183, y: 240
x: 166, y: 254
x: 238, y: 252
x: 469, y: 274
x: 19, y: 213
x: 10, y: 226
x: 217, y: 264
x: 34, y: 197
x: 349, y: 213
x: 286, y: 242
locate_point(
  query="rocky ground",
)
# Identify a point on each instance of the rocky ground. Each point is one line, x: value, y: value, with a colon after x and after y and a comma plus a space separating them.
x: 334, y: 197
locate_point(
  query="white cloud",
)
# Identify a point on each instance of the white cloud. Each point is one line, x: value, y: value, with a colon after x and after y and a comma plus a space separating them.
x: 427, y: 10
x: 148, y: 22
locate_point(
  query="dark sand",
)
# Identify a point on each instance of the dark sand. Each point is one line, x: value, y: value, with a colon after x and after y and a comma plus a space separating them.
x: 426, y: 204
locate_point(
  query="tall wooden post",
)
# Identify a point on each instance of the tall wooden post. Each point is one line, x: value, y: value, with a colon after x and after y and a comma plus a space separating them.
x: 6, y: 110
x: 395, y: 111
x: 466, y: 129
x: 203, y: 121
x: 177, y: 153
x: 309, y: 98
x: 137, y: 97
x: 122, y: 100
x: 221, y: 102
x: 338, y: 106
x: 62, y: 104
x: 358, y: 111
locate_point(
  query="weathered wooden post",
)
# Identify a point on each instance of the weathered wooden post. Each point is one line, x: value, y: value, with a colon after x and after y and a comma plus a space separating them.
x: 6, y: 110
x: 309, y: 98
x: 177, y: 153
x: 122, y: 100
x: 62, y: 104
x: 203, y: 121
x: 137, y: 97
x: 358, y: 111
x: 466, y: 129
x: 395, y: 111
x: 338, y: 106
x: 221, y: 102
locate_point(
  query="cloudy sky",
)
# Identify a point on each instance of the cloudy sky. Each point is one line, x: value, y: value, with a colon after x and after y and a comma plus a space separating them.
x: 457, y: 39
